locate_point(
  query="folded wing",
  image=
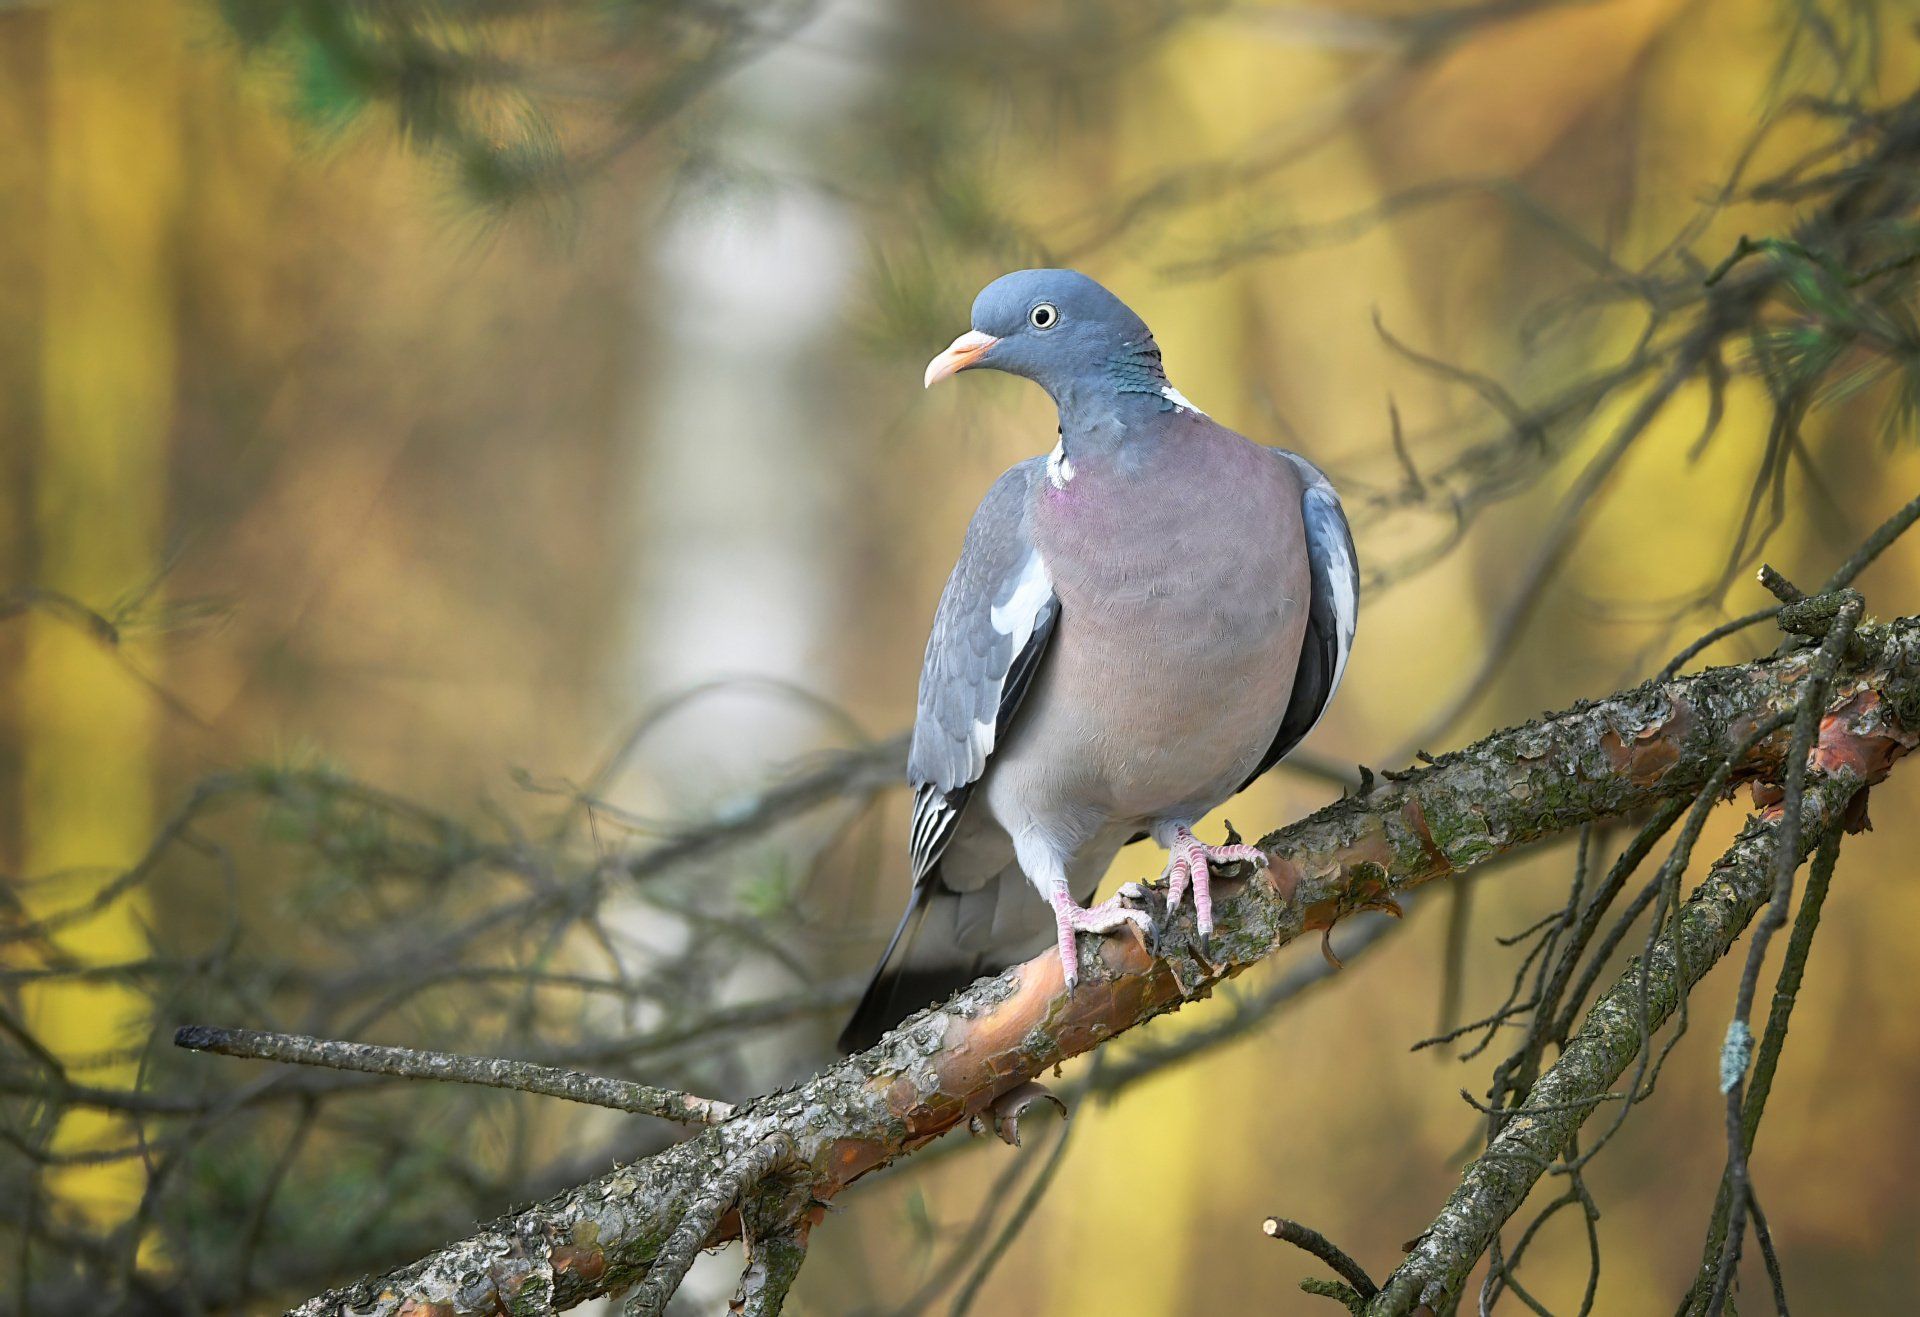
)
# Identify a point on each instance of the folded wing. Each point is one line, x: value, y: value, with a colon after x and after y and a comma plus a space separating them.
x: 989, y: 637
x: 1333, y: 611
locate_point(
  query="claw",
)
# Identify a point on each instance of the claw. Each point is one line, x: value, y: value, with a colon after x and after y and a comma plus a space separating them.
x: 1136, y: 894
x: 1188, y: 865
x: 1071, y: 919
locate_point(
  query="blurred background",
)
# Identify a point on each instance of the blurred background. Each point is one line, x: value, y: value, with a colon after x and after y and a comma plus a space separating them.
x: 471, y: 520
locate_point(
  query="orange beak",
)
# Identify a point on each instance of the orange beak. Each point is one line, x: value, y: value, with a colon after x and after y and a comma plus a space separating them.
x: 964, y: 351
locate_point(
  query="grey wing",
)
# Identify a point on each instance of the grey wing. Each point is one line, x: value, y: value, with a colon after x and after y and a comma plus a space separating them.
x: 1332, y: 611
x: 989, y: 635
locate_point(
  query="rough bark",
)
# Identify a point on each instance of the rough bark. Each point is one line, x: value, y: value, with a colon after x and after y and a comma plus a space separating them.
x: 488, y: 1071
x: 944, y: 1066
x: 1574, y: 1087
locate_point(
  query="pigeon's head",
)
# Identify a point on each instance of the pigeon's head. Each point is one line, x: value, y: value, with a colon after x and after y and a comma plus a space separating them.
x: 1057, y: 328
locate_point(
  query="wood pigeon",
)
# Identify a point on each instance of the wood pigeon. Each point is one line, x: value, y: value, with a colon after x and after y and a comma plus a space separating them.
x: 1140, y: 624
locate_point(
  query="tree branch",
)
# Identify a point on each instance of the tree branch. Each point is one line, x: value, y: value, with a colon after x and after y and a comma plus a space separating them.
x: 1786, y: 992
x: 940, y: 1068
x: 773, y: 1264
x: 1616, y: 1030
x: 1312, y: 1241
x: 703, y: 1217
x: 489, y: 1071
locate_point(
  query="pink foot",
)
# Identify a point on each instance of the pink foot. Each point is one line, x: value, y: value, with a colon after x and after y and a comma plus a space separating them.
x: 1070, y: 919
x: 1187, y: 858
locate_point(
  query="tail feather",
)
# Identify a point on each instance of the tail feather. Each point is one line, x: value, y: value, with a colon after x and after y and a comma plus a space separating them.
x: 945, y: 941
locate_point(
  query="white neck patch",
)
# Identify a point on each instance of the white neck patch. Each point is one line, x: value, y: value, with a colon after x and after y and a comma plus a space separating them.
x: 1179, y: 399
x: 1059, y: 468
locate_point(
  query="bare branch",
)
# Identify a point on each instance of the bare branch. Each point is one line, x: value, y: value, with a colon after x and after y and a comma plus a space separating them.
x: 487, y: 1071
x: 773, y: 1264
x: 1786, y: 860
x: 702, y: 1218
x: 1785, y: 993
x: 1556, y: 543
x: 1601, y: 760
x: 1738, y: 886
x: 1312, y: 1241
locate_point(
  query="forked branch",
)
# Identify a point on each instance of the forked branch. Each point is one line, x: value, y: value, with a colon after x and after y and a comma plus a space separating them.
x: 1596, y: 761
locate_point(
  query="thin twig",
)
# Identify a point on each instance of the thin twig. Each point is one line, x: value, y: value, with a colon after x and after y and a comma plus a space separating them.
x: 1772, y: 1259
x: 488, y: 1071
x: 675, y: 1258
x: 1496, y: 1184
x: 970, y: 1289
x: 1734, y: 1056
x: 1873, y: 546
x: 1766, y: 1060
x: 1714, y: 637
x: 1311, y: 1240
x: 1569, y: 519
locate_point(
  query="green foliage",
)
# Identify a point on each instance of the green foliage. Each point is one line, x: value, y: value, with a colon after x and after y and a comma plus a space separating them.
x: 444, y: 75
x: 508, y: 93
x: 1846, y: 330
x: 768, y: 895
x: 323, y: 93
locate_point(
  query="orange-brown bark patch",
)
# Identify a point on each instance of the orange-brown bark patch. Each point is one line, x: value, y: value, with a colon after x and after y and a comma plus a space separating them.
x: 1370, y: 847
x: 849, y: 1159
x: 1415, y: 815
x: 1283, y: 876
x: 1369, y: 853
x: 1320, y: 914
x: 588, y: 1263
x: 1652, y: 751
x: 1859, y: 737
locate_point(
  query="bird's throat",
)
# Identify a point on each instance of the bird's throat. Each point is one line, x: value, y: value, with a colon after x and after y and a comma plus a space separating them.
x: 1059, y: 466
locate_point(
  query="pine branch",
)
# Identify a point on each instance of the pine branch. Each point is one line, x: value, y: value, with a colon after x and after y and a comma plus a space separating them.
x: 488, y: 1071
x: 1600, y: 760
x: 1614, y: 1034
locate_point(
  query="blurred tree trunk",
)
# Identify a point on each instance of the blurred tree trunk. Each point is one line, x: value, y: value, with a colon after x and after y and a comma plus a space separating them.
x: 100, y: 477
x: 744, y: 281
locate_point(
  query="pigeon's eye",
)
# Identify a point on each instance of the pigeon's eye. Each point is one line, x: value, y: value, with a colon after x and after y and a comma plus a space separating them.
x: 1043, y: 316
